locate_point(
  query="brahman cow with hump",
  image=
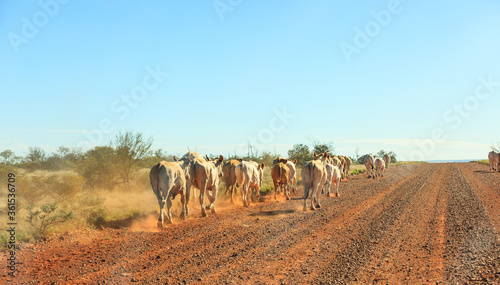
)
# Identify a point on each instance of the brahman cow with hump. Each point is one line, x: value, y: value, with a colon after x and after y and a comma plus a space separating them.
x: 492, y: 156
x: 387, y: 160
x: 497, y: 161
x: 280, y: 173
x: 249, y: 175
x: 168, y: 180
x: 204, y: 175
x: 380, y: 166
x: 369, y: 164
x: 229, y: 176
x: 313, y: 178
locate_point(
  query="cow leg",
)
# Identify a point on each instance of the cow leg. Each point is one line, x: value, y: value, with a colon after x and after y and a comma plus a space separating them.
x: 169, y: 210
x: 275, y: 190
x: 318, y: 204
x: 184, y: 207
x: 337, y: 188
x: 306, y: 194
x: 257, y: 193
x: 246, y: 195
x: 161, y: 202
x: 212, y: 198
x: 294, y: 184
x: 232, y: 192
x: 287, y: 192
x: 203, y: 189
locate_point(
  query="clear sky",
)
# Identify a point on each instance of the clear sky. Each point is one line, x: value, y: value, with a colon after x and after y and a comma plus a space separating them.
x: 420, y: 78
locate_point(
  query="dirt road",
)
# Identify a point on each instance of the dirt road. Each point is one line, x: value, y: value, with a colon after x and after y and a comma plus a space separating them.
x: 420, y: 224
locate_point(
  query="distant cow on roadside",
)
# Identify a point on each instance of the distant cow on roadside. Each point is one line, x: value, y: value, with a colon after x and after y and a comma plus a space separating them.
x: 497, y: 162
x: 168, y: 180
x: 313, y: 178
x: 280, y: 173
x: 205, y: 176
x: 248, y: 175
x: 380, y: 166
x: 387, y: 160
x: 492, y: 156
x: 369, y: 164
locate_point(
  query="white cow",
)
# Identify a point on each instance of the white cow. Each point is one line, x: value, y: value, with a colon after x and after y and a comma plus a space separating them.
x: 380, y: 166
x: 261, y: 173
x: 168, y: 180
x: 492, y: 157
x: 348, y: 166
x: 313, y: 178
x: 387, y: 160
x: 205, y: 176
x: 333, y: 177
x: 293, y: 174
x: 249, y: 175
x: 369, y: 164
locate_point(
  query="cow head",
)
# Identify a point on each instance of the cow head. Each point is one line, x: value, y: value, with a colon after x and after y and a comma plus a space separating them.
x: 218, y: 164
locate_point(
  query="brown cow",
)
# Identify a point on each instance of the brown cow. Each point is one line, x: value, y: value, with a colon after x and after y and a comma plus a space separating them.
x: 280, y: 174
x: 229, y: 176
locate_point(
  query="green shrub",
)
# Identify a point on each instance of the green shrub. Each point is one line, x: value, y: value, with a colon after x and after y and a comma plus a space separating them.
x: 46, y: 216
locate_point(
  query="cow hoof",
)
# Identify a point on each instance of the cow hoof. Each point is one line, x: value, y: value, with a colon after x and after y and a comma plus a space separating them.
x: 313, y: 209
x: 207, y: 207
x: 203, y: 213
x: 318, y: 206
x: 213, y: 210
x: 183, y: 217
x: 337, y: 195
x: 159, y: 224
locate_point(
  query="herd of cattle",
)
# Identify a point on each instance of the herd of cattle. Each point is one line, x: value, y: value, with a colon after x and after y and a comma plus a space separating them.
x: 192, y: 171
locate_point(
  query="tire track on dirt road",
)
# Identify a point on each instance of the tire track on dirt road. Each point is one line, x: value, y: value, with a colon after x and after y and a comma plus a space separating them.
x: 412, y: 251
x: 473, y: 244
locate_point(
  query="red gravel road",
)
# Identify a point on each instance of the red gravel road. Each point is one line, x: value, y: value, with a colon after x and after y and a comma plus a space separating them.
x: 420, y: 224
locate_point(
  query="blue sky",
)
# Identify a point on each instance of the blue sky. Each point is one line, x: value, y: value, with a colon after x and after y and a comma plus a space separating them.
x: 214, y: 75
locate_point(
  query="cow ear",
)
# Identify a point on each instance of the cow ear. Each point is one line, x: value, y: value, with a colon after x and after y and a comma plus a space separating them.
x: 206, y: 156
x: 221, y: 158
x: 326, y: 154
x: 258, y: 167
x: 176, y: 159
x: 240, y: 159
x: 314, y: 153
x: 295, y: 162
x: 262, y: 165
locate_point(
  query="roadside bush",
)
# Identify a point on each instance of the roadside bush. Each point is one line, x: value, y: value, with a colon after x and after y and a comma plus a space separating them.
x: 44, y: 217
x: 91, y: 211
